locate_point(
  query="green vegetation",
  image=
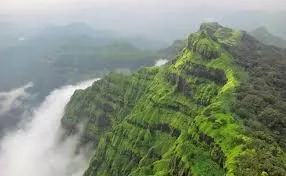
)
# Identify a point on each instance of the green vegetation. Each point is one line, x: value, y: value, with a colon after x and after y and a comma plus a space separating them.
x: 189, y: 117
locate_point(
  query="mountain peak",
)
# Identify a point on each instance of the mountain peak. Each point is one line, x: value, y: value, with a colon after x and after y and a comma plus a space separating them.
x: 261, y: 31
x: 210, y: 28
x: 211, y: 37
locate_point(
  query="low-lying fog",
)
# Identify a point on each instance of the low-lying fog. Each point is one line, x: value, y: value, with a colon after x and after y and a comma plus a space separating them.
x: 35, y: 148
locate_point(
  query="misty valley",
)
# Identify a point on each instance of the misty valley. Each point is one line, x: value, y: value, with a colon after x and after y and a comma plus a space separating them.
x: 127, y: 88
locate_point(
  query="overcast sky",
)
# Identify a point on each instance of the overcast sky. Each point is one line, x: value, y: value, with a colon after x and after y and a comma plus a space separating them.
x: 171, y: 16
x: 16, y: 6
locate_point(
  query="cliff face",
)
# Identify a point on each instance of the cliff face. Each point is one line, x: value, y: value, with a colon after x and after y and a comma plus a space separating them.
x: 216, y: 109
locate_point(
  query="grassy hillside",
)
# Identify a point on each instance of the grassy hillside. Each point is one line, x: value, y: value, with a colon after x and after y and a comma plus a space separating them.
x: 216, y: 109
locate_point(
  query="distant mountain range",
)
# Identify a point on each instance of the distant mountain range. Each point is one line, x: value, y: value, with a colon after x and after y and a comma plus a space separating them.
x: 67, y: 52
x: 250, y: 20
x: 266, y: 37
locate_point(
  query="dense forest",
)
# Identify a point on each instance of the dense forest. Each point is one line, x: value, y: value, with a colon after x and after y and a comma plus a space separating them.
x: 218, y: 108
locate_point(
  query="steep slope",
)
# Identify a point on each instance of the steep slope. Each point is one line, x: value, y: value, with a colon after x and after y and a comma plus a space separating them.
x: 202, y: 114
x: 265, y: 37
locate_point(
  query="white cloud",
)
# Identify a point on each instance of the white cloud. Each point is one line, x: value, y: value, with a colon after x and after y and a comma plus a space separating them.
x: 13, y: 99
x: 37, y: 148
x: 146, y: 5
x: 161, y: 62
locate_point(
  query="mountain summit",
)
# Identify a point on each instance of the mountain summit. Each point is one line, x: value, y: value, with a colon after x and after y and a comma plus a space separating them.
x: 215, y: 109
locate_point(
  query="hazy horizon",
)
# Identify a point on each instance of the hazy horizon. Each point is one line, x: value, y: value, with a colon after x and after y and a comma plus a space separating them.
x: 154, y: 19
x: 20, y: 6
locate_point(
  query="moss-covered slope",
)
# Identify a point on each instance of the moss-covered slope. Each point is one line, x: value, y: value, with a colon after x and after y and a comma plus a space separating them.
x: 185, y: 118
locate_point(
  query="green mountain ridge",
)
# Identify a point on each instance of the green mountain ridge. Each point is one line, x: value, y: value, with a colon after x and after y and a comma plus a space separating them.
x: 218, y: 108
